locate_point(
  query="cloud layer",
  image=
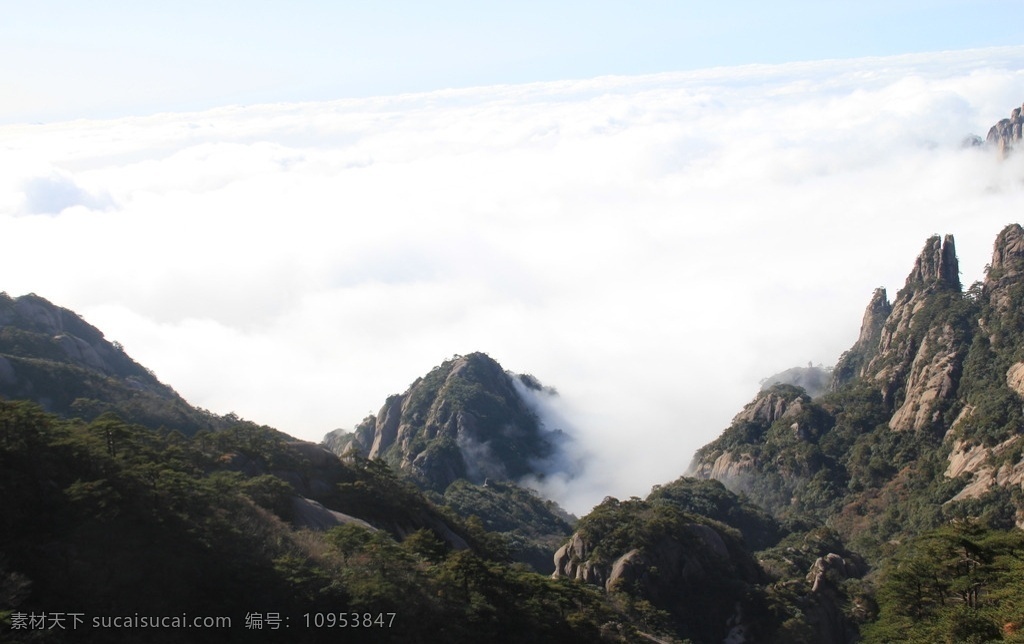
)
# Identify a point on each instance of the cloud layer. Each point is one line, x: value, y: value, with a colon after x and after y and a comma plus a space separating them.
x: 651, y: 246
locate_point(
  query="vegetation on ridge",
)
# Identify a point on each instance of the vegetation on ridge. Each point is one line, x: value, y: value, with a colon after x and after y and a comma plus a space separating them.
x: 110, y: 519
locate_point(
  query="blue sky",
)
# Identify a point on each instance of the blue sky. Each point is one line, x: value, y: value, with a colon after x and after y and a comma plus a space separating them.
x: 65, y: 59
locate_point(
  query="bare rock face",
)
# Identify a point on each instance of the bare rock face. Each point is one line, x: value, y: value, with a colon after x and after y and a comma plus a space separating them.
x: 386, y: 426
x: 1015, y: 378
x: 832, y: 569
x: 985, y: 466
x: 1007, y: 132
x: 934, y: 269
x: 735, y: 467
x: 572, y: 560
x: 965, y: 458
x: 307, y: 513
x: 727, y: 467
x: 765, y: 410
x: 875, y: 315
x: 937, y: 264
x: 932, y: 378
x: 1006, y: 269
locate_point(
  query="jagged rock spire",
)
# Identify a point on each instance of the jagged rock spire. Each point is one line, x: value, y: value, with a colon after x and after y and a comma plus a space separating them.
x: 937, y: 264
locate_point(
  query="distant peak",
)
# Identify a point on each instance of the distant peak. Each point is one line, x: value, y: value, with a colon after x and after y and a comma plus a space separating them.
x: 1006, y: 134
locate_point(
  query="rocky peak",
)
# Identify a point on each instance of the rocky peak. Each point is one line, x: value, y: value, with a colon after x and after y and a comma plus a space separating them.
x: 917, y: 361
x: 466, y: 419
x: 1007, y: 132
x: 937, y: 265
x: 1006, y: 268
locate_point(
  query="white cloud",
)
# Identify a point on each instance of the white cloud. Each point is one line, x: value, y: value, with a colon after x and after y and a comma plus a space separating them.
x: 651, y: 246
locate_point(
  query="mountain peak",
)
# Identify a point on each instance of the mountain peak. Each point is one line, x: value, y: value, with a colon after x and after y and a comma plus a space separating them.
x: 466, y: 419
x: 937, y: 264
x: 885, y: 347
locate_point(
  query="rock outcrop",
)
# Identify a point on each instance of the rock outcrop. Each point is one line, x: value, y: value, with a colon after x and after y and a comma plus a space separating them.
x: 699, y: 574
x: 1015, y: 378
x: 677, y: 565
x: 1005, y: 272
x: 726, y: 467
x: 307, y: 513
x: 988, y: 467
x: 780, y: 404
x: 1006, y: 134
x: 765, y: 409
x: 826, y: 599
x: 932, y: 379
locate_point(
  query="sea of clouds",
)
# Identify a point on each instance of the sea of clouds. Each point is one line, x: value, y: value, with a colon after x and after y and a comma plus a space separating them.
x: 651, y: 246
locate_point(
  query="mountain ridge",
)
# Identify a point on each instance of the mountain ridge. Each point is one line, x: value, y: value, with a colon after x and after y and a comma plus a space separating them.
x: 50, y: 355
